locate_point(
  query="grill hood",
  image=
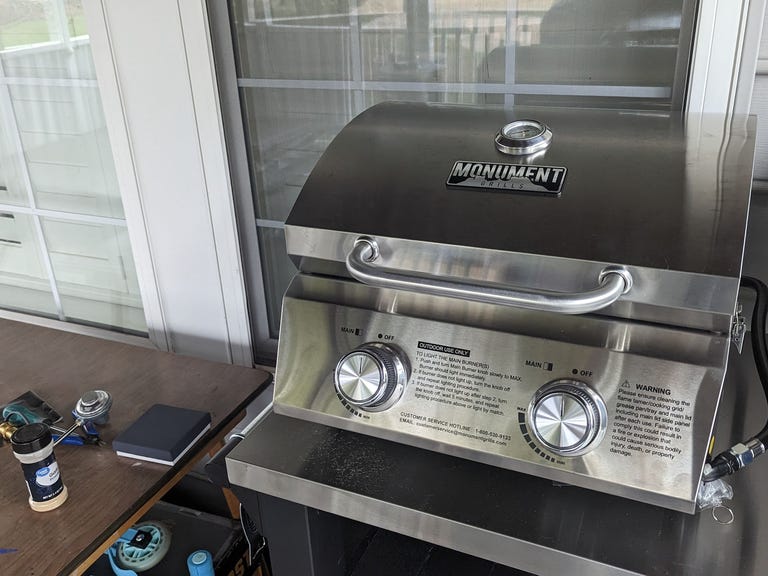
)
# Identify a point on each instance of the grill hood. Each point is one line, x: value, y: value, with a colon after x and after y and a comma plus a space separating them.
x: 665, y: 196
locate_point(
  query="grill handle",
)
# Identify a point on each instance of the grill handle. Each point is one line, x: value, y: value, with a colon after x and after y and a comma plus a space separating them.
x: 613, y: 281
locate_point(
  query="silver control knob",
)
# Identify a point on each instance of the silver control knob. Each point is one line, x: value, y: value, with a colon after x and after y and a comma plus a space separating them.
x: 372, y: 377
x: 567, y: 417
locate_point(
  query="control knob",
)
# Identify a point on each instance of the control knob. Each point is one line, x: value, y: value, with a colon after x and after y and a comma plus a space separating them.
x: 567, y: 417
x: 372, y: 377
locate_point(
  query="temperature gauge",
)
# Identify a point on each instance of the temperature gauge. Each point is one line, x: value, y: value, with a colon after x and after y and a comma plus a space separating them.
x: 523, y: 137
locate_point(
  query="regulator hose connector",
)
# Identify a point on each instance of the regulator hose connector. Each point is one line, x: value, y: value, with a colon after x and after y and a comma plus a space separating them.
x: 744, y: 453
x: 735, y: 458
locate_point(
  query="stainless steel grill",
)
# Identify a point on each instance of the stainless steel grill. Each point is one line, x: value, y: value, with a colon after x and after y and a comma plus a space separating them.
x: 545, y: 290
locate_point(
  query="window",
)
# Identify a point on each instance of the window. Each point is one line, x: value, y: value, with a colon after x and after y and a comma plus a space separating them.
x: 64, y: 247
x: 303, y: 69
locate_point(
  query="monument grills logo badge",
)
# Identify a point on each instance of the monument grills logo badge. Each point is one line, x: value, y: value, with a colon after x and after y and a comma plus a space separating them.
x: 508, y: 177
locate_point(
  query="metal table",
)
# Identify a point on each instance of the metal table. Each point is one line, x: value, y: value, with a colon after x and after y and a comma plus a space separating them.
x: 511, y: 518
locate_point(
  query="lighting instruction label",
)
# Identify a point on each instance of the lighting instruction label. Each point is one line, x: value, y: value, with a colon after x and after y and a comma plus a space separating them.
x: 449, y: 376
x: 649, y: 420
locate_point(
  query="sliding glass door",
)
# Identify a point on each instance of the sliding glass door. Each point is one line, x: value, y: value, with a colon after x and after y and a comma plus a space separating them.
x: 64, y: 247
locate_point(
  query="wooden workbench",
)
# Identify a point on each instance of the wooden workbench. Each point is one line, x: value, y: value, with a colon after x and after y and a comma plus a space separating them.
x: 107, y: 493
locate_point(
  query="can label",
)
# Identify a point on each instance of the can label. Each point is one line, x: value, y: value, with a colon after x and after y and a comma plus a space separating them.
x: 43, y: 479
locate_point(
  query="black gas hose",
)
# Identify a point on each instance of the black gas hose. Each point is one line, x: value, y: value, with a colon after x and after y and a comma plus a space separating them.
x: 742, y: 454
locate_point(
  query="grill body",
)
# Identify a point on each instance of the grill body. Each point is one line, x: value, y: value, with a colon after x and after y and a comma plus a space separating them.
x: 618, y: 246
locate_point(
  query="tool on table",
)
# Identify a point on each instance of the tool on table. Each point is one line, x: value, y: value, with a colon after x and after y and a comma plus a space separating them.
x: 7, y: 429
x: 92, y: 408
x: 77, y: 439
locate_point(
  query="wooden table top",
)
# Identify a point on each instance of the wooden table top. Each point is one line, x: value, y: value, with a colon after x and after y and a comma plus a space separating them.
x: 107, y: 493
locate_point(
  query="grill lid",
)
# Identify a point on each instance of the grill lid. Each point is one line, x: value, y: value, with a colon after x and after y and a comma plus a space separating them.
x: 663, y: 195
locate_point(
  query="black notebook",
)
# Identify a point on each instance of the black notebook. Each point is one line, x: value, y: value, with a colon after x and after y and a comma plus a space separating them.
x: 163, y: 434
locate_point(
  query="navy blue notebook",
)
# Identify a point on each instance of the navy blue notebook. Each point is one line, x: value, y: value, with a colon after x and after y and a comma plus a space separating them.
x: 163, y: 434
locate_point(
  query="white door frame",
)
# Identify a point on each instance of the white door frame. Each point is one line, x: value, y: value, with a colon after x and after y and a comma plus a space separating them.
x: 158, y: 86
x: 724, y: 56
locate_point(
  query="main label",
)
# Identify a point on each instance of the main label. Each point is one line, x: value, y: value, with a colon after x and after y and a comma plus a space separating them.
x: 508, y: 177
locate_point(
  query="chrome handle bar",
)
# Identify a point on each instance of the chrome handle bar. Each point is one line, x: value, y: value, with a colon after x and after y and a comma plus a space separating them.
x: 613, y: 281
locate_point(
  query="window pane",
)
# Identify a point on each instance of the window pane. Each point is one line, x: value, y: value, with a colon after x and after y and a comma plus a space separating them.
x: 64, y: 140
x: 278, y: 273
x: 75, y: 17
x: 66, y: 252
x: 306, y: 67
x: 45, y: 39
x: 308, y: 40
x: 89, y: 265
x: 599, y: 42
x: 11, y: 190
x: 289, y: 130
x: 439, y: 42
x: 24, y: 283
x: 53, y: 60
x: 25, y: 23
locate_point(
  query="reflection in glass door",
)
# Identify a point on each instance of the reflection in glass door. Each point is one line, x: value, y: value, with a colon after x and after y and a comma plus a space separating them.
x: 64, y: 248
x: 303, y: 68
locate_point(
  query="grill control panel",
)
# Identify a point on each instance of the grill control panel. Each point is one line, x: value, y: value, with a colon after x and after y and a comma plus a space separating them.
x: 608, y: 412
x: 566, y: 416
